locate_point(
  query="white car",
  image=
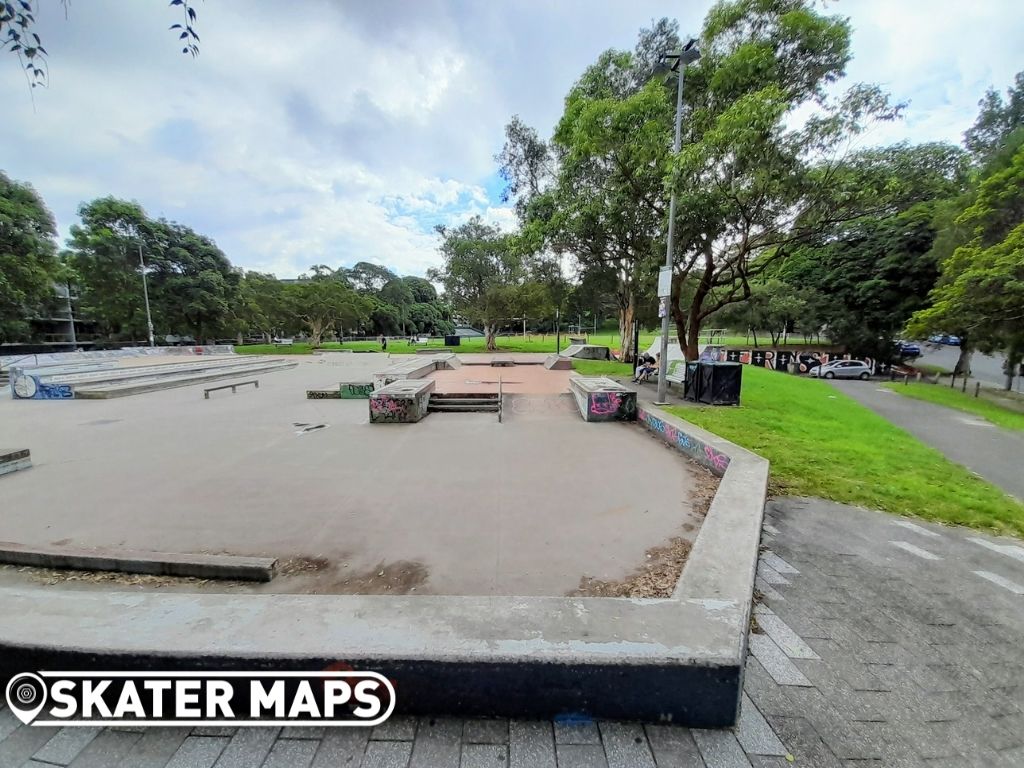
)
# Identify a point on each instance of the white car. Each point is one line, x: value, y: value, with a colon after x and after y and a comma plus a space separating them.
x: 843, y: 369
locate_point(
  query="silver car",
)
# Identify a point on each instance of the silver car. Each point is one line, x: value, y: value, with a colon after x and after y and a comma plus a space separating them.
x: 843, y: 369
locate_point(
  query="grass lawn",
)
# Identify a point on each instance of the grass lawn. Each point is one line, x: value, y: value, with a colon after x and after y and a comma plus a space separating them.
x: 822, y: 443
x: 530, y: 343
x: 602, y: 368
x: 954, y: 398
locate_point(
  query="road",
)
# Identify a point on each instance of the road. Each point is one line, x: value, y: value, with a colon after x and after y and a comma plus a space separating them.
x: 992, y: 452
x: 988, y: 369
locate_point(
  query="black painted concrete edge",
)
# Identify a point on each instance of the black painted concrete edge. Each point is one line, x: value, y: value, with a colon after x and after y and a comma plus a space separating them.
x: 233, y: 567
x: 703, y: 696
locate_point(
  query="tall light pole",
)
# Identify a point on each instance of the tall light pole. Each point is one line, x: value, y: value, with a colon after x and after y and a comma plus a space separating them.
x: 145, y: 294
x: 688, y: 55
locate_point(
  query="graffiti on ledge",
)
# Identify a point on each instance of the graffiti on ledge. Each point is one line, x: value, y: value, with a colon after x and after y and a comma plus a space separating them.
x: 356, y: 391
x: 613, y: 406
x: 384, y: 408
x: 703, y: 453
x: 28, y: 387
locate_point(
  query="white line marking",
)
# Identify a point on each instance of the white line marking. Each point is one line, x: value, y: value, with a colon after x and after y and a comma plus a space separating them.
x: 770, y: 575
x: 995, y: 578
x: 789, y: 641
x: 768, y: 590
x: 776, y: 663
x: 922, y: 553
x: 1004, y: 549
x: 776, y: 562
x: 916, y: 529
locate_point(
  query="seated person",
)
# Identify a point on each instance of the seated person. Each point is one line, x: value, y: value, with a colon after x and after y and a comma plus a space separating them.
x: 648, y: 365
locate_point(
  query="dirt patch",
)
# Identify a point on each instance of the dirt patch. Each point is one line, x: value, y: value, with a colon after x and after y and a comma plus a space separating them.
x: 53, y: 576
x: 656, y: 578
x: 318, y: 576
x: 401, y: 577
x: 297, y: 565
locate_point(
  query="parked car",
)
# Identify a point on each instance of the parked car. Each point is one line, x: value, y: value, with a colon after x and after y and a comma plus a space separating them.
x: 805, y: 363
x: 843, y: 369
x: 908, y: 349
x: 943, y: 338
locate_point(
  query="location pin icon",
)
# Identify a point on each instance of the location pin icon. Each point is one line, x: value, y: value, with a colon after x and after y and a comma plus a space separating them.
x: 26, y: 695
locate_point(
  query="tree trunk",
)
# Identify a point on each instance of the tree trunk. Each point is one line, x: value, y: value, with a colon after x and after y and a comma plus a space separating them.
x: 316, y: 332
x: 489, y: 333
x: 692, y: 349
x: 682, y: 321
x: 238, y: 339
x: 963, y: 362
x: 627, y: 311
x: 1013, y: 359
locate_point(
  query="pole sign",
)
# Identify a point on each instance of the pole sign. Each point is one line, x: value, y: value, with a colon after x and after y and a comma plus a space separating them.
x: 665, y: 283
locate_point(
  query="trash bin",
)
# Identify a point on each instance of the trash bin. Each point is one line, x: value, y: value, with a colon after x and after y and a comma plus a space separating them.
x: 713, y: 383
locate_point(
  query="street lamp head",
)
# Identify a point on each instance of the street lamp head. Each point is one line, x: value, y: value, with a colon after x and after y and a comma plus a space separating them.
x: 689, y: 53
x: 669, y: 62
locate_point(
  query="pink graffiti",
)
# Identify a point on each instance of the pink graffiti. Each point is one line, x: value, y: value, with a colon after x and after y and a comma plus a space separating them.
x: 385, y: 405
x: 718, y: 461
x: 603, y: 403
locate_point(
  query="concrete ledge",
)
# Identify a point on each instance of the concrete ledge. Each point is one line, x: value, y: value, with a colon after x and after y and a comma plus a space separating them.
x: 723, y: 561
x: 129, y: 561
x: 401, y: 402
x: 13, y: 460
x: 656, y: 660
x: 601, y: 399
x: 355, y: 390
x: 323, y: 394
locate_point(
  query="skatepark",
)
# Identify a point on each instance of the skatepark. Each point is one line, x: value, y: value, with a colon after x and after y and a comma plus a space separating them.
x: 498, y: 510
x: 462, y: 503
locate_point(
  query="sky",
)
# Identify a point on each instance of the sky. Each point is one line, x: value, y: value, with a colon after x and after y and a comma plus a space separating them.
x: 328, y: 132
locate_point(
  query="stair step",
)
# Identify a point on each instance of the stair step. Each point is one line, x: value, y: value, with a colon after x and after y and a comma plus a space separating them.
x: 434, y: 399
x: 487, y: 407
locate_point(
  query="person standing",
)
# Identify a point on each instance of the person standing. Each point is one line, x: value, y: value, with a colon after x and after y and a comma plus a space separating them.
x: 383, y: 343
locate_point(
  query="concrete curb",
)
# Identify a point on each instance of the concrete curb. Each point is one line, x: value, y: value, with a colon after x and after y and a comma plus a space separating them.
x: 128, y: 561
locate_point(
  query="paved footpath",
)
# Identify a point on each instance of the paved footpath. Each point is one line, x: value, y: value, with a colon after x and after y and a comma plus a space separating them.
x: 992, y: 452
x: 881, y: 642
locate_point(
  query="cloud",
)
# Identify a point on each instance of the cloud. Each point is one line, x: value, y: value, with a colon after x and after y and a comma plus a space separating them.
x: 334, y: 132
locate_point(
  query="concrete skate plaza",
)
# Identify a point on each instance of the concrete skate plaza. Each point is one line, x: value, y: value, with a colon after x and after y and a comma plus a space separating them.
x: 457, y: 504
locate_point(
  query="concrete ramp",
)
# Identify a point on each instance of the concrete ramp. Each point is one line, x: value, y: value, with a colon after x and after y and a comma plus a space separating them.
x: 558, y: 363
x: 587, y: 352
x: 674, y: 352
